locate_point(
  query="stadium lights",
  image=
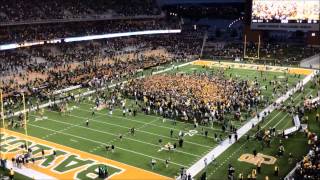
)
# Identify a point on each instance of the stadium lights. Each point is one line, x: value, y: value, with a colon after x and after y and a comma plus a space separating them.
x: 86, y: 38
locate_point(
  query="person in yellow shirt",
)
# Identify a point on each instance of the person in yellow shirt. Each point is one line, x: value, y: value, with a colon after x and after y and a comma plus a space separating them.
x: 254, y: 174
x: 240, y: 177
x: 259, y: 167
x: 11, y: 175
x: 276, y: 170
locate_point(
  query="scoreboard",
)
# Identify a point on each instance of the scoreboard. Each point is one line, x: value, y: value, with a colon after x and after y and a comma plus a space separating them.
x: 285, y: 15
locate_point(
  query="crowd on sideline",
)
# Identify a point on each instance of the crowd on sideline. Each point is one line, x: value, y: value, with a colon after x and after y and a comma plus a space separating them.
x: 35, y: 10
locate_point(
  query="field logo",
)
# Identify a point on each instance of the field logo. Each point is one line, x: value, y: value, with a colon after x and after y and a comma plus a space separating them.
x: 64, y: 164
x: 260, y: 158
x: 68, y: 163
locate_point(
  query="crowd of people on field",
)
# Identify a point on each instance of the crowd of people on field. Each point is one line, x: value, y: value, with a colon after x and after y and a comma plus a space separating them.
x: 195, y: 98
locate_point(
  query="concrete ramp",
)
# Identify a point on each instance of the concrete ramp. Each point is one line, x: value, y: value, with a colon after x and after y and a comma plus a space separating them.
x: 311, y: 62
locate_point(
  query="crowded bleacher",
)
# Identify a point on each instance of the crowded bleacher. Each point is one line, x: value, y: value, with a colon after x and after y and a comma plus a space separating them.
x: 54, y: 66
x: 37, y: 10
x: 23, y: 33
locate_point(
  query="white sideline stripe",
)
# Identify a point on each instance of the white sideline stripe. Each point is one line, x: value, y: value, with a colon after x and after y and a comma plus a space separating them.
x: 124, y: 137
x: 98, y: 142
x: 215, y: 152
x: 138, y: 129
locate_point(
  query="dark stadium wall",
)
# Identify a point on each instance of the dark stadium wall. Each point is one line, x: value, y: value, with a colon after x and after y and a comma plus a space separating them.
x: 253, y: 35
x: 313, y: 38
x: 247, y: 12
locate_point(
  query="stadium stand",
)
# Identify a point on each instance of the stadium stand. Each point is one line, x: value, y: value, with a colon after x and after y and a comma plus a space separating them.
x: 37, y: 10
x: 23, y: 33
x: 190, y: 95
x: 72, y: 55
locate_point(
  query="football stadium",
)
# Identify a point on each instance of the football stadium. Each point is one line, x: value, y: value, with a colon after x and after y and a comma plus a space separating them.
x: 160, y: 89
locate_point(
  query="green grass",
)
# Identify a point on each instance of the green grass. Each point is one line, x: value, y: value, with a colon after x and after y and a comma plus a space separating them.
x: 138, y: 150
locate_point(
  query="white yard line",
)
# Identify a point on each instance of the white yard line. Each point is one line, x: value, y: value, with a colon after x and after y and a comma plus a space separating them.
x: 141, y: 122
x: 226, y: 160
x: 271, y: 120
x: 102, y: 143
x: 310, y: 91
x: 112, y: 134
x: 138, y: 130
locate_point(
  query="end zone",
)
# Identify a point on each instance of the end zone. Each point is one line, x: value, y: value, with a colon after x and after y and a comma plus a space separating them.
x: 301, y: 71
x: 69, y: 163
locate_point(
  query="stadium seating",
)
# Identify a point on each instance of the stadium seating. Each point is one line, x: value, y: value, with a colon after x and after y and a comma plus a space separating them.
x: 22, y: 33
x: 37, y: 10
x: 42, y: 59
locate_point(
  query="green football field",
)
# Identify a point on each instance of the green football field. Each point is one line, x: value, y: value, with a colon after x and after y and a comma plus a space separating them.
x: 138, y: 150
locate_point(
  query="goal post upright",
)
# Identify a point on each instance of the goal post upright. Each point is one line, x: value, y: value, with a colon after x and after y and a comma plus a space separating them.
x: 2, y: 117
x: 245, y: 46
x: 259, y: 43
x: 25, y: 117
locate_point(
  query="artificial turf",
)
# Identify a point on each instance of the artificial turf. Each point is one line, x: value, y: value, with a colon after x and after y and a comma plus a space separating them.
x: 138, y: 150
